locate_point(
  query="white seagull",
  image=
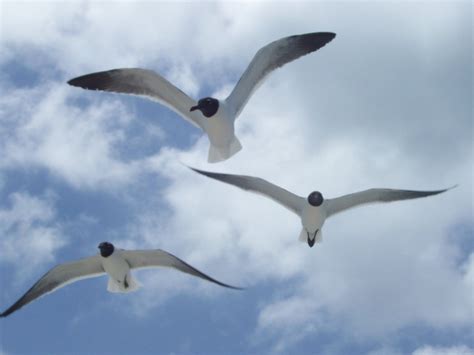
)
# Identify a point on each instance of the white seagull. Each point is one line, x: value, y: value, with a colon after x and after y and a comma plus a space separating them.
x: 216, y: 117
x: 314, y: 210
x: 117, y: 263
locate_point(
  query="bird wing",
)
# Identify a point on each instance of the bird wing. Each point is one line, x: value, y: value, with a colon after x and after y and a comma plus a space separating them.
x: 284, y: 197
x: 271, y: 57
x: 345, y: 202
x: 139, y: 259
x: 141, y: 82
x: 58, y: 277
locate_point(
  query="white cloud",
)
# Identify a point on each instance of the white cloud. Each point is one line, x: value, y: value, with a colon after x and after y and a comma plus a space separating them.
x: 29, y: 232
x: 453, y: 350
x: 374, y: 108
x: 40, y: 127
x: 374, y: 274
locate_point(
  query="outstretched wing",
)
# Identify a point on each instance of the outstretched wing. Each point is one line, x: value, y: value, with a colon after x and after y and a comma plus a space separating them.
x: 139, y: 259
x: 58, y: 277
x: 141, y: 82
x: 271, y: 57
x: 343, y: 203
x: 284, y: 197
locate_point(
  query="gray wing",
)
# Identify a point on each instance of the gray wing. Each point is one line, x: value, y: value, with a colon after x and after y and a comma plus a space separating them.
x: 284, y: 197
x: 343, y: 203
x: 140, y: 259
x: 58, y: 277
x: 271, y: 57
x: 141, y: 82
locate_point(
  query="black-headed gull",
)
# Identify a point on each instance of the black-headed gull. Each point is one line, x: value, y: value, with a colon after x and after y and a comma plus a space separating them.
x: 116, y: 263
x: 315, y: 209
x: 215, y: 117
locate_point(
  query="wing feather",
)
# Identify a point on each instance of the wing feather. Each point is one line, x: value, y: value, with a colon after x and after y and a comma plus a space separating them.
x: 58, y: 277
x: 139, y: 259
x: 345, y: 202
x: 284, y: 197
x: 141, y: 82
x: 271, y: 57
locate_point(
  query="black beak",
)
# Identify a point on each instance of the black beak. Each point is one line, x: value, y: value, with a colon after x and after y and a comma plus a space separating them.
x: 194, y: 108
x: 312, y: 241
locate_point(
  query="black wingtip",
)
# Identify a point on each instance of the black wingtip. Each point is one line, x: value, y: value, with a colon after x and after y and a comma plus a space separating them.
x: 202, y: 172
x: 76, y: 81
x: 81, y: 81
x: 71, y: 82
x: 329, y: 35
x: 322, y: 37
x: 444, y: 190
x: 93, y: 81
x: 226, y: 285
x: 6, y: 313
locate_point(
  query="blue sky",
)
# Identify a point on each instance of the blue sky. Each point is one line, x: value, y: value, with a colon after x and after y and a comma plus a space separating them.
x: 388, y: 103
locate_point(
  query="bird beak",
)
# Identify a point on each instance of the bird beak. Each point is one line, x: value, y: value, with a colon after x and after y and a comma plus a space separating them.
x: 312, y: 241
x: 194, y: 108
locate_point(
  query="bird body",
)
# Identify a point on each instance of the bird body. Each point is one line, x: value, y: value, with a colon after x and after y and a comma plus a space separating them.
x: 120, y: 277
x: 221, y: 132
x: 217, y: 117
x: 312, y: 219
x: 314, y: 210
x: 116, y: 263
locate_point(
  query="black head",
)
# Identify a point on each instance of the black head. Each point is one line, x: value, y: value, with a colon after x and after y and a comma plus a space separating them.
x: 315, y: 198
x: 208, y: 106
x: 106, y: 249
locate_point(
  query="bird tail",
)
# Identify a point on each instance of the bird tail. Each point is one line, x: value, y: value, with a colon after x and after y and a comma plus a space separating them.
x: 130, y: 285
x: 217, y: 154
x: 304, y: 236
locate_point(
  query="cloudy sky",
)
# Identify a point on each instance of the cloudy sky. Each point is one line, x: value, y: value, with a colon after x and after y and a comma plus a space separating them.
x: 388, y: 103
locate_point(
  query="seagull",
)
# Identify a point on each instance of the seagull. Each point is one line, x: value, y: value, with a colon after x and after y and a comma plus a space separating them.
x: 213, y: 116
x: 315, y: 209
x: 116, y: 263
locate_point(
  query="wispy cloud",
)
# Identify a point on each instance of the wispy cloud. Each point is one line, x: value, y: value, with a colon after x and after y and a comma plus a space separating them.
x: 41, y: 127
x: 440, y: 350
x: 385, y: 105
x: 30, y: 233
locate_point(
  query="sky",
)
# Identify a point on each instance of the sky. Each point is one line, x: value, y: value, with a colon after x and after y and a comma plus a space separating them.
x: 388, y: 103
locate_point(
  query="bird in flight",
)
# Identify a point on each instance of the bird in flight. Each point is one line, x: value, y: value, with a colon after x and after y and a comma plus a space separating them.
x: 213, y: 116
x: 315, y: 209
x: 116, y: 263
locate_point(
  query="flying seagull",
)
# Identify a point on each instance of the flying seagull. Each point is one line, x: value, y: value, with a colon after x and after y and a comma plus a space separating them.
x: 116, y: 263
x: 315, y: 209
x: 215, y: 117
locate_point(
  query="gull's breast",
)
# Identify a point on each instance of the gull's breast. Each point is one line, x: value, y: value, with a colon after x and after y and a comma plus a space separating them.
x: 220, y: 128
x: 312, y: 218
x: 116, y: 266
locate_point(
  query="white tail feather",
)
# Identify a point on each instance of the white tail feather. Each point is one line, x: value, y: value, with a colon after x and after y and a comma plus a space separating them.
x: 116, y: 287
x: 304, y: 236
x: 217, y: 154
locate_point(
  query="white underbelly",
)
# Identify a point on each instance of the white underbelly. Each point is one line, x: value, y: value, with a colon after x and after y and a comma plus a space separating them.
x: 312, y: 218
x: 220, y: 131
x: 116, y: 267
